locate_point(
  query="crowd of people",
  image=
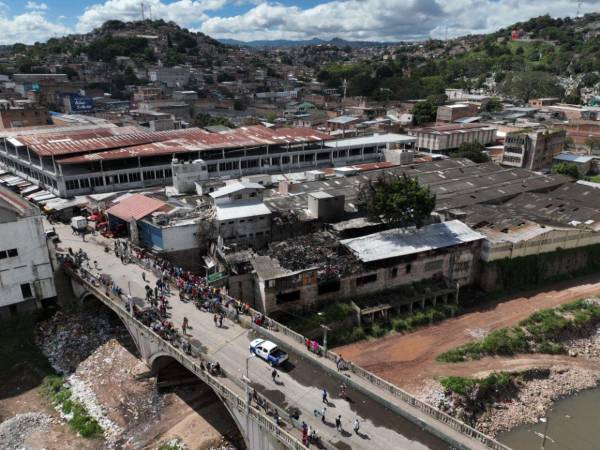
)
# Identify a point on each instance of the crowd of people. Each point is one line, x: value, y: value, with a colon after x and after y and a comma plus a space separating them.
x: 191, y: 287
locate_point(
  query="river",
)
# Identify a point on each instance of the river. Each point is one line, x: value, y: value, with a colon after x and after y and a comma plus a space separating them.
x: 573, y: 424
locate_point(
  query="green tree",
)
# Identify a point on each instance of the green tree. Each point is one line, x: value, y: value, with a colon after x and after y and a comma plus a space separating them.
x: 424, y: 112
x: 567, y: 169
x: 271, y: 117
x: 492, y: 104
x: 204, y: 120
x: 533, y: 84
x: 397, y: 200
x: 472, y: 151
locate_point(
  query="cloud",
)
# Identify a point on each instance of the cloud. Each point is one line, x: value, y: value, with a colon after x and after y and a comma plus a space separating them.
x: 383, y: 20
x: 388, y: 20
x: 36, y: 6
x: 187, y: 13
x: 28, y: 28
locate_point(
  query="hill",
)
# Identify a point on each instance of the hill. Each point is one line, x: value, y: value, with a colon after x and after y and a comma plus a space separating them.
x: 544, y: 56
x: 302, y: 43
x: 144, y: 41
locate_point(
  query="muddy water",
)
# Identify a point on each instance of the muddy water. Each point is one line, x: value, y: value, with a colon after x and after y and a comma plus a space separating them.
x: 573, y: 424
x: 308, y: 374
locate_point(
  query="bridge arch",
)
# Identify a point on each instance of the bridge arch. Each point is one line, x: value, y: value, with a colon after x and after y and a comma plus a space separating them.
x: 168, y: 371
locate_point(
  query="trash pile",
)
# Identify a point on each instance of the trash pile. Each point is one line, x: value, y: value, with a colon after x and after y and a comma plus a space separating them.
x: 66, y: 340
x: 14, y: 431
x: 320, y: 250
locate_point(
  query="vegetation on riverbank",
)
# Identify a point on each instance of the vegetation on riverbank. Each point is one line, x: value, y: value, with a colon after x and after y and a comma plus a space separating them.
x: 60, y: 395
x: 541, y: 332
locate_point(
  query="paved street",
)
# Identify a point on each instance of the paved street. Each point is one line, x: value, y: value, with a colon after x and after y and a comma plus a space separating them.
x: 300, y: 382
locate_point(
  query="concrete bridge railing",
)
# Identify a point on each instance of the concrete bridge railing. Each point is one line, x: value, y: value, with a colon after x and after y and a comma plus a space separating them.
x: 230, y: 398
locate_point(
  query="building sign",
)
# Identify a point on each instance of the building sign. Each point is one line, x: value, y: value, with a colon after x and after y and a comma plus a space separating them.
x: 80, y: 103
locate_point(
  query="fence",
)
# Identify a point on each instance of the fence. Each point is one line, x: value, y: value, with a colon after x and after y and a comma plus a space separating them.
x: 221, y: 390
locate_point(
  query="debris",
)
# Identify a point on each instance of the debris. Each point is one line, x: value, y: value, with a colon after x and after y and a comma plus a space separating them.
x: 14, y: 431
x: 321, y: 250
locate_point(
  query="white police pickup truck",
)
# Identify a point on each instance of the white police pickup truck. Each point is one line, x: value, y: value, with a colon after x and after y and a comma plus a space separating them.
x: 268, y: 351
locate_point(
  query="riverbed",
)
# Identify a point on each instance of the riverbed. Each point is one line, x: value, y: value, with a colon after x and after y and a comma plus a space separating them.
x: 573, y: 424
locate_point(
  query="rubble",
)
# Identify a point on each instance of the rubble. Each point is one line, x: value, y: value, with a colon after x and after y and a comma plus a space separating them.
x: 14, y: 431
x: 67, y: 340
x: 320, y: 250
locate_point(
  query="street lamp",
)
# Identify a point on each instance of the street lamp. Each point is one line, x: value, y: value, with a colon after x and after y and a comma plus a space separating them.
x: 247, y: 380
x: 544, y: 420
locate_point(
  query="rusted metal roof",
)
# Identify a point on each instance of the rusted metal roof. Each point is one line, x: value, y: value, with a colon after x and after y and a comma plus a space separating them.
x: 136, y: 206
x: 97, y: 140
x: 204, y: 140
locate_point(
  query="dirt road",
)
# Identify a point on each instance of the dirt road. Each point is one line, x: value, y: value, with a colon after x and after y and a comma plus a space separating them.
x: 408, y: 359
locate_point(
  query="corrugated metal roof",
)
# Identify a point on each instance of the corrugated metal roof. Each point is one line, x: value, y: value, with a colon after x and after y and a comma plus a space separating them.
x: 67, y: 144
x: 394, y: 243
x: 136, y: 206
x: 204, y: 140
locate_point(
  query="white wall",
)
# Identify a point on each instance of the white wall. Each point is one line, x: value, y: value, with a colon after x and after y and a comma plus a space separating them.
x: 181, y: 237
x: 32, y: 265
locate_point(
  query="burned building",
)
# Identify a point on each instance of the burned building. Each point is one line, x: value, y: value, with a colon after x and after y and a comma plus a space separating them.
x: 319, y: 267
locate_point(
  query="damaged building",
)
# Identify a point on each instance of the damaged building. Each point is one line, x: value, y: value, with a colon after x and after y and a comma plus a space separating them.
x: 319, y: 267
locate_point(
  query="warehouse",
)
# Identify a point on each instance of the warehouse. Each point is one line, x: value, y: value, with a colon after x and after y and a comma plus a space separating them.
x: 95, y: 158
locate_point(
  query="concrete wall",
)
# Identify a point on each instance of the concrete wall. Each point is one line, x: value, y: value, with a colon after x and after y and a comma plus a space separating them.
x: 30, y: 266
x: 545, y: 243
x: 457, y: 265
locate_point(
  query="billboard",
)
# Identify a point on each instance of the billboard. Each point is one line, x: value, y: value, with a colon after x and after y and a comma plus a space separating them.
x: 79, y: 103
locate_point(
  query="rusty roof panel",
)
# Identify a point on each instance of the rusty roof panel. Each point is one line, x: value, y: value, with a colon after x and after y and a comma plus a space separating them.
x: 204, y: 140
x: 66, y: 145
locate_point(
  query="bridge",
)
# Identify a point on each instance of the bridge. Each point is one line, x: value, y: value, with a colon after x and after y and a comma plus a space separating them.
x: 389, y: 417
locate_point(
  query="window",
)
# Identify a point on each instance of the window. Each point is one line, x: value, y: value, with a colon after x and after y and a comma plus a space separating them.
x: 287, y: 297
x: 329, y: 286
x: 253, y: 194
x: 84, y: 182
x: 12, y: 253
x: 149, y: 175
x: 26, y: 290
x: 408, y: 268
x: 72, y: 185
x: 434, y: 265
x: 169, y: 174
x: 134, y: 176
x: 122, y: 178
x: 366, y: 279
x: 3, y: 254
x: 393, y: 272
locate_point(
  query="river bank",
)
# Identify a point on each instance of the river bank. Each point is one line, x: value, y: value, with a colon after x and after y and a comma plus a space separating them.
x: 533, y: 397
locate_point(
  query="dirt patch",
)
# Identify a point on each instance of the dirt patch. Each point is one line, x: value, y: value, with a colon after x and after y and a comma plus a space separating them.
x: 407, y: 359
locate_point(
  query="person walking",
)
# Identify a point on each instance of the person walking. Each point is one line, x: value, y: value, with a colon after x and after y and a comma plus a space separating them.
x: 184, y: 325
x: 144, y: 276
x: 324, y: 396
x: 338, y: 423
x: 323, y: 411
x: 221, y: 321
x: 274, y: 375
x: 356, y: 425
x: 215, y: 319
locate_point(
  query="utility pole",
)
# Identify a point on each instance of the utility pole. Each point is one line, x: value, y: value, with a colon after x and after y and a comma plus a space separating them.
x: 325, y: 330
x: 142, y: 7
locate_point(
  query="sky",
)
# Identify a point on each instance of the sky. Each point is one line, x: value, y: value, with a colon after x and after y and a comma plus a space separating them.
x: 29, y: 21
